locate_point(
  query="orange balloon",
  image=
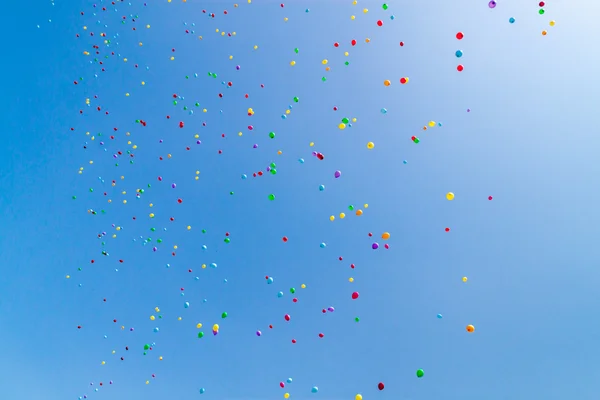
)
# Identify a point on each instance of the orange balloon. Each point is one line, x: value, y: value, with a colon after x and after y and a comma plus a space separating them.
x: 385, y: 235
x: 470, y: 328
x: 387, y: 82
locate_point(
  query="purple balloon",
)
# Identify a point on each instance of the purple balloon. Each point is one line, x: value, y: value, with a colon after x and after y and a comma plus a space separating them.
x: 258, y: 333
x: 375, y: 246
x: 330, y: 309
x: 337, y: 174
x: 492, y: 4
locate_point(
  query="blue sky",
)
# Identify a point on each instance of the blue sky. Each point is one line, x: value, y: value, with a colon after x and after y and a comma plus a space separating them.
x: 530, y: 254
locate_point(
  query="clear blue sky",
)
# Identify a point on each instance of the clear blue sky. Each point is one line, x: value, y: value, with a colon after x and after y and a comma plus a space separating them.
x: 531, y: 255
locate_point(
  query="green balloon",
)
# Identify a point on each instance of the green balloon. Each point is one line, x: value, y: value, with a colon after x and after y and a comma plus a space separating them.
x: 356, y: 319
x: 292, y: 290
x: 296, y: 99
x: 272, y: 135
x: 271, y: 197
x: 203, y: 230
x: 224, y: 315
x: 273, y: 165
x: 351, y: 207
x: 345, y: 120
x: 384, y: 6
x: 420, y: 373
x: 146, y: 346
x: 227, y: 240
x: 74, y: 197
x: 200, y: 335
x: 323, y: 79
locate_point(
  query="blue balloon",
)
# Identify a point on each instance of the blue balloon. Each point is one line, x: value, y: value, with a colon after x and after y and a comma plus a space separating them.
x: 511, y: 20
x: 202, y: 390
x: 439, y: 316
x: 459, y: 53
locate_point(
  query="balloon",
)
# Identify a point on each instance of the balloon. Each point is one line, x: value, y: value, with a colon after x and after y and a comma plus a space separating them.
x: 375, y: 246
x: 314, y: 389
x: 355, y: 295
x: 287, y: 317
x: 420, y: 373
x: 492, y: 4
x: 459, y: 54
x: 380, y: 386
x: 511, y: 20
x: 460, y: 35
x: 337, y: 174
x: 370, y: 145
x: 464, y: 279
x: 470, y: 328
x: 387, y: 82
x: 358, y: 397
x: 385, y: 236
x: 224, y: 315
x: 202, y: 390
x: 439, y: 316
x: 450, y: 196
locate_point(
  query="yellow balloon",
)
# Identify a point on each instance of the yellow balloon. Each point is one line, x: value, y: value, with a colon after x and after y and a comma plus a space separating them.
x: 431, y: 124
x: 464, y: 279
x: 342, y: 215
x: 215, y: 327
x: 330, y: 218
x: 450, y: 196
x: 358, y: 397
x: 286, y: 396
x: 370, y: 145
x: 292, y: 63
x: 324, y: 62
x: 152, y: 318
x: 385, y: 235
x: 199, y: 325
x: 350, y: 280
x: 342, y: 126
x: 303, y: 286
x: 552, y: 23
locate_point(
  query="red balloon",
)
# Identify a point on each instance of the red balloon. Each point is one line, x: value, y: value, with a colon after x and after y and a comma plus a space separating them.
x: 401, y: 44
x: 380, y: 386
x: 460, y: 35
x: 285, y: 239
x: 353, y: 42
x: 380, y: 23
x: 355, y: 295
x: 460, y: 68
x: 447, y: 229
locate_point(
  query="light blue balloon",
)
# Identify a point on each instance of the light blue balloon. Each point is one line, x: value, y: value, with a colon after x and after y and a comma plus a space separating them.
x: 459, y: 53
x: 301, y: 161
x: 186, y: 305
x: 155, y: 330
x: 439, y: 316
x: 202, y: 390
x: 322, y: 187
x: 213, y: 265
x: 244, y: 176
x: 289, y: 380
x: 269, y: 281
x: 314, y: 389
x: 384, y: 111
x: 204, y: 247
x: 404, y: 162
x: 511, y: 20
x: 280, y: 294
x: 323, y: 245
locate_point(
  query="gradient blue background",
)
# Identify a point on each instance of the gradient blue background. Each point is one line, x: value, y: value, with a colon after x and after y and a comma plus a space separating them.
x: 531, y: 254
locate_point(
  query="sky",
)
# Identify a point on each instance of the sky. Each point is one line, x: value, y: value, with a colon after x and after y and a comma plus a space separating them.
x: 517, y: 124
